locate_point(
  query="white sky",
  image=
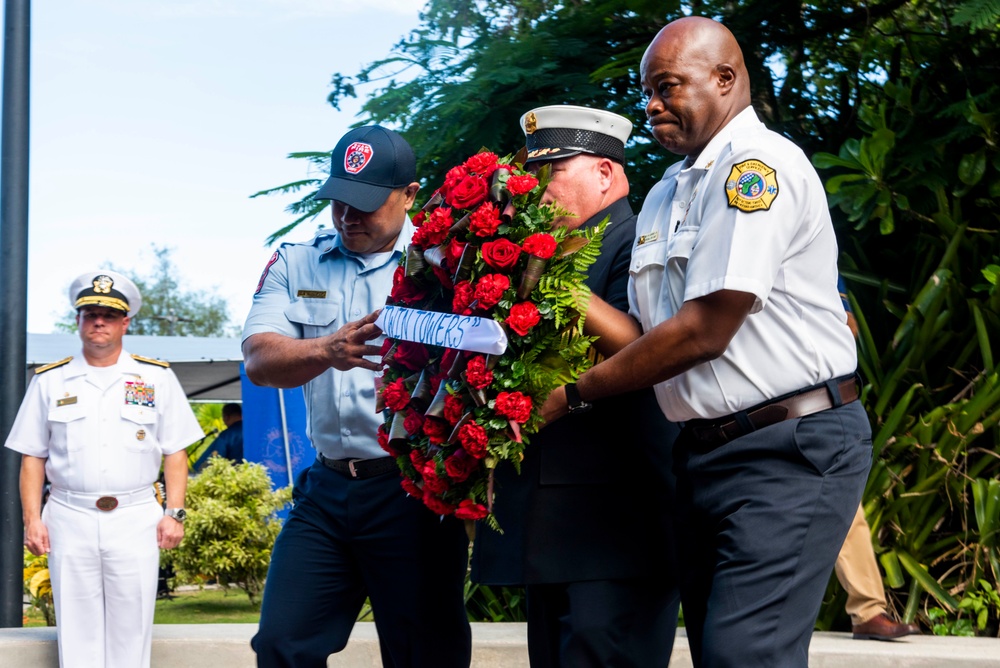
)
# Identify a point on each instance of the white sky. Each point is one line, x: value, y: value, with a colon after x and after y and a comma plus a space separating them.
x: 155, y: 120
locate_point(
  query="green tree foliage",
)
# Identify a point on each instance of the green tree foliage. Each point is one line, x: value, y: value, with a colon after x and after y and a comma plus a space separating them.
x: 231, y: 526
x: 896, y: 100
x: 167, y: 308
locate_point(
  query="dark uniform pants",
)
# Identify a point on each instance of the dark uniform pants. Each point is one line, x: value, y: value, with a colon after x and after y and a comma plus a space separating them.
x: 346, y: 539
x: 602, y: 624
x: 760, y: 522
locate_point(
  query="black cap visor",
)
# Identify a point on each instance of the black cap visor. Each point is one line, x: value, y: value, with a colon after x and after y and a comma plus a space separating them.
x: 361, y: 196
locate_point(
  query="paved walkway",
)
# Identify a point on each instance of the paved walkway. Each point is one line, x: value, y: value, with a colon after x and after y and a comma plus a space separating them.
x: 495, y: 646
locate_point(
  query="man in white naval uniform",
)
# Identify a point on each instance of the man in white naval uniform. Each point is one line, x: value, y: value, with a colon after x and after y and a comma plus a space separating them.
x: 98, y: 427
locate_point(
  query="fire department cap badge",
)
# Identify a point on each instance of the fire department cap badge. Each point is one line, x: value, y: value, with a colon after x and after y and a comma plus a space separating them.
x: 752, y: 186
x: 357, y: 156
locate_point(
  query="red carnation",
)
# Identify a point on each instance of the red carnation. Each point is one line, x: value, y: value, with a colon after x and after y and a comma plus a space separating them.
x: 464, y: 296
x: 432, y: 482
x: 454, y: 408
x: 540, y: 245
x: 436, y: 505
x: 501, y: 254
x: 514, y: 406
x: 523, y: 317
x: 485, y: 220
x: 460, y: 465
x: 483, y: 164
x: 490, y: 289
x: 437, y: 430
x: 470, y: 510
x: 395, y: 395
x: 469, y: 192
x: 411, y: 487
x: 474, y: 439
x: 413, y: 422
x: 476, y: 373
x: 519, y: 185
x: 411, y: 355
x: 418, y: 218
x: 405, y: 289
x: 452, y: 178
x: 435, y: 230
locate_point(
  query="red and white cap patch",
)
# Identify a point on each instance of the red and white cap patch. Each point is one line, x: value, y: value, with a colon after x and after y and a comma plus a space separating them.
x: 357, y: 157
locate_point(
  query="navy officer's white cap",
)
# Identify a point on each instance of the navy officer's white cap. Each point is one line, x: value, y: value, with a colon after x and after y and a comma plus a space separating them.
x: 107, y: 288
x: 562, y: 130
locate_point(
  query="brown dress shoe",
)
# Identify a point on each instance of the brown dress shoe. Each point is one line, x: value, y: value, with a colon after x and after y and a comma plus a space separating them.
x: 882, y: 627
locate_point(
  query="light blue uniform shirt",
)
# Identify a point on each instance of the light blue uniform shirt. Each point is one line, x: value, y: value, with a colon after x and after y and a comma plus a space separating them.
x: 309, y: 290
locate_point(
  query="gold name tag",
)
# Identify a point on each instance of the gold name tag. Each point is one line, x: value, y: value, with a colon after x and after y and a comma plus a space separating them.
x: 648, y: 238
x: 312, y: 294
x: 66, y: 402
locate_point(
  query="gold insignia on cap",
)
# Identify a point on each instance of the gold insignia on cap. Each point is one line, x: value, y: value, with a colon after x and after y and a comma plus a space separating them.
x: 103, y: 284
x: 140, y: 435
x: 752, y: 186
x: 530, y: 123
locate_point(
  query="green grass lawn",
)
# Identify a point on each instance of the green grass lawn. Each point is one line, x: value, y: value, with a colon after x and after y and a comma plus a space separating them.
x: 208, y: 606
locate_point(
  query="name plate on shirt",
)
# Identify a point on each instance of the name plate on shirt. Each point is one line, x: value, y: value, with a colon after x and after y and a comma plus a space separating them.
x: 447, y: 330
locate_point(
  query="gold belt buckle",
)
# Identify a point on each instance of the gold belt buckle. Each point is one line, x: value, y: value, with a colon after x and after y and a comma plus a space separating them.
x: 107, y: 503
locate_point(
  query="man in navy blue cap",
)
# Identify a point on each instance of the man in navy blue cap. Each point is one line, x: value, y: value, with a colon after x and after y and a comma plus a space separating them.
x: 353, y: 532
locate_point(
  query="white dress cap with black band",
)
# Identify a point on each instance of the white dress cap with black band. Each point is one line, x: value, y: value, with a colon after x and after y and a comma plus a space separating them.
x: 562, y: 131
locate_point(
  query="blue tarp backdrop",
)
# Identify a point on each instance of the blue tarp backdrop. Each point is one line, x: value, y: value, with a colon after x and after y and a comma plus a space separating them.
x: 274, y: 430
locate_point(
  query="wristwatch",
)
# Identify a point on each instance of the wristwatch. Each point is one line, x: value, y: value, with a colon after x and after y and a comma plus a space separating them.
x: 574, y: 403
x: 178, y: 514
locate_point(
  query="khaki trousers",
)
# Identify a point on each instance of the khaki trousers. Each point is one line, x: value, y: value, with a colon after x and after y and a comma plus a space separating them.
x: 858, y: 572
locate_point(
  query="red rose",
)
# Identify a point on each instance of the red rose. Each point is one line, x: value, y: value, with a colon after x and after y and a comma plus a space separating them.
x: 437, y: 430
x: 485, y: 220
x: 540, y: 245
x: 464, y: 296
x: 432, y: 482
x: 411, y: 355
x: 483, y: 164
x: 523, y: 317
x: 501, y: 254
x: 476, y: 373
x: 470, y: 510
x: 474, y: 439
x: 436, y: 381
x: 460, y: 465
x: 417, y: 459
x: 490, y: 289
x: 413, y: 422
x: 453, y: 252
x: 469, y: 192
x: 405, y: 289
x: 395, y: 395
x: 448, y: 358
x: 519, y: 185
x: 411, y: 487
x: 452, y: 179
x: 436, y: 505
x: 514, y: 406
x: 454, y: 408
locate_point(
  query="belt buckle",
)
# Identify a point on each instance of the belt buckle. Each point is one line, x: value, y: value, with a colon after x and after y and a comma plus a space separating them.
x: 106, y: 503
x: 350, y: 467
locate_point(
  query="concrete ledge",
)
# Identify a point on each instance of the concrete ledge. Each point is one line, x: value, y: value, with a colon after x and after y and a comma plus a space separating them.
x: 494, y: 646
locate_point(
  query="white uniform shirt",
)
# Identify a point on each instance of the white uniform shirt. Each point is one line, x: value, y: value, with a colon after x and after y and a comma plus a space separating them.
x: 309, y: 290
x: 690, y: 242
x: 104, y: 433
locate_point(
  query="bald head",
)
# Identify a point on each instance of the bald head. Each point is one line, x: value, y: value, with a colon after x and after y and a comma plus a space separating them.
x: 695, y: 82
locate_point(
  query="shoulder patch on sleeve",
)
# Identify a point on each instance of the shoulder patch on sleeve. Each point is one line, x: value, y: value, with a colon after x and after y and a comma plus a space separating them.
x: 150, y: 360
x: 53, y: 365
x: 752, y: 186
x: 267, y: 268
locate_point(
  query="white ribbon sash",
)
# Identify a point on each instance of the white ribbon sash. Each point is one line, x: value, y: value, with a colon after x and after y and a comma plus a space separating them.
x: 447, y: 330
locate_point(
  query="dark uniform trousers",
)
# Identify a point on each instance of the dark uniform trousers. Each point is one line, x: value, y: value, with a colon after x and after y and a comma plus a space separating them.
x: 760, y: 522
x: 346, y: 539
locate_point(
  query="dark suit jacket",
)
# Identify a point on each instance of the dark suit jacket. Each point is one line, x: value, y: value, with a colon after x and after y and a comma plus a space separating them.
x: 593, y: 498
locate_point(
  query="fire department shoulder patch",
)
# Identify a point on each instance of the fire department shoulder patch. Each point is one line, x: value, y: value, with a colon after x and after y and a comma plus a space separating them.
x: 752, y: 186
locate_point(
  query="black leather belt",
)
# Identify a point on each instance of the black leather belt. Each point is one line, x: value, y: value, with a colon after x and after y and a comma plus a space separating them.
x: 360, y: 469
x: 712, y: 433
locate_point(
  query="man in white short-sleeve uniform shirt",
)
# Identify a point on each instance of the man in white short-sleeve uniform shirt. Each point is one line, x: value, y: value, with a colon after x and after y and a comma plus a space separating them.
x: 98, y: 427
x: 743, y: 335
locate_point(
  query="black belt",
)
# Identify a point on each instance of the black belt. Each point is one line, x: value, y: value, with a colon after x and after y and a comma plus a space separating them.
x: 360, y: 469
x: 712, y: 433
